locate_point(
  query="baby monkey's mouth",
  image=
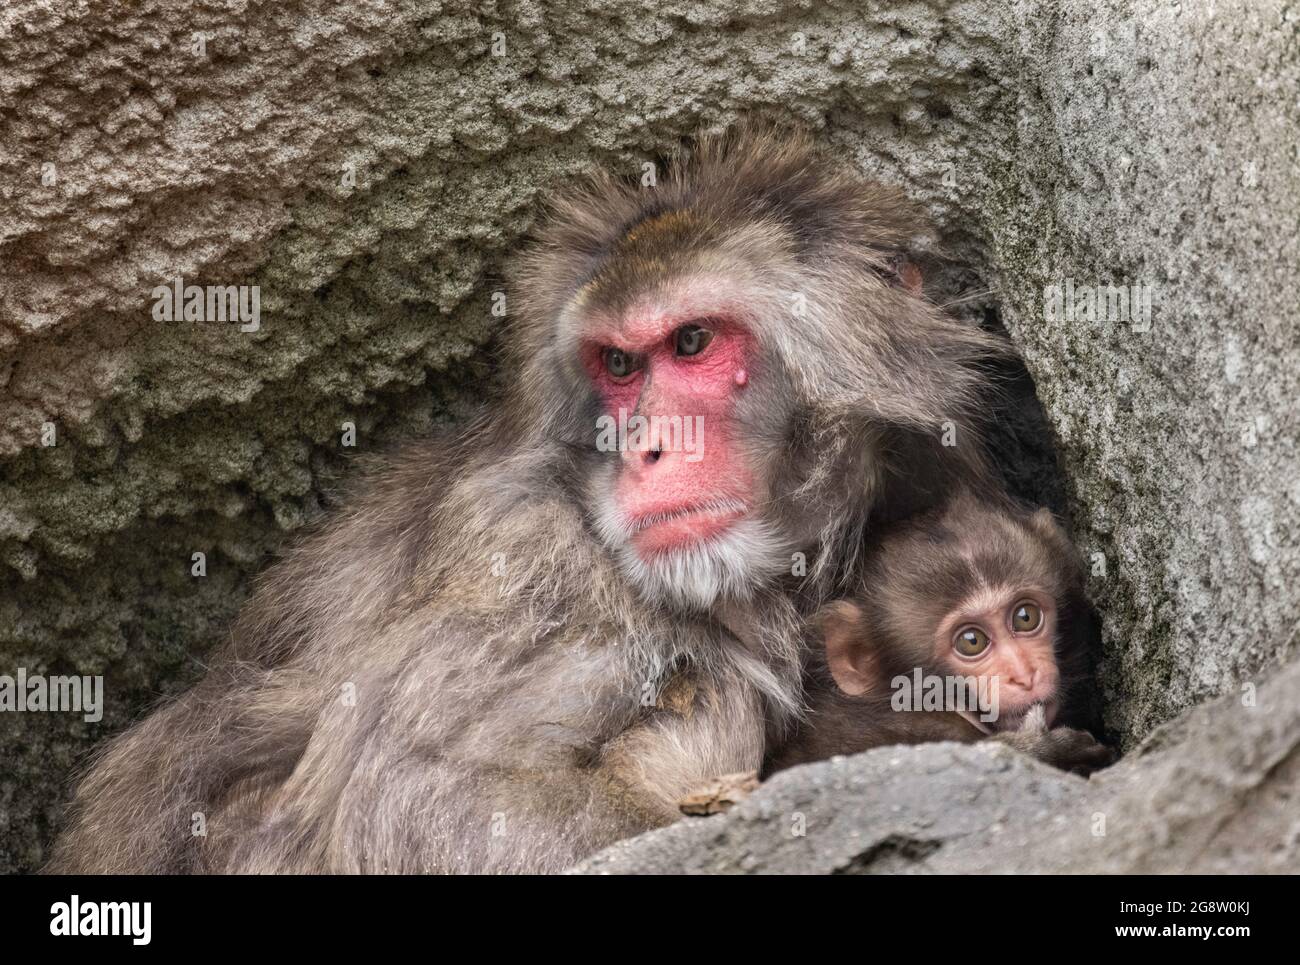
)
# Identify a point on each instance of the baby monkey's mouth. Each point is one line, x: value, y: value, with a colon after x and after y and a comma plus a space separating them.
x: 972, y: 717
x: 1010, y: 720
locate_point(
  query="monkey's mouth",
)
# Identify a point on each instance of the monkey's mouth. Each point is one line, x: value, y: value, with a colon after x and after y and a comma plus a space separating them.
x: 972, y: 717
x: 1009, y: 719
x: 668, y: 529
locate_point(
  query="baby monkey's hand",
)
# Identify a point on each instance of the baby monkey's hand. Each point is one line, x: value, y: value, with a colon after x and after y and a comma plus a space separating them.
x: 1064, y: 747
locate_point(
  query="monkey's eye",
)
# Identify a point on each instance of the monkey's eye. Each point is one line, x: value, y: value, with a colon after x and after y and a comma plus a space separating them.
x: 691, y: 339
x: 970, y: 642
x: 1026, y: 617
x: 620, y: 364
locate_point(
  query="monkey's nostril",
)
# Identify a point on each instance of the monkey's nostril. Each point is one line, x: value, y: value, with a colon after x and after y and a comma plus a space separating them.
x: 652, y: 455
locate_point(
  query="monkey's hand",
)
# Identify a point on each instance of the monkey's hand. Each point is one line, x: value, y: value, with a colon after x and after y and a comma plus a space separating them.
x: 1071, y: 750
x: 720, y: 794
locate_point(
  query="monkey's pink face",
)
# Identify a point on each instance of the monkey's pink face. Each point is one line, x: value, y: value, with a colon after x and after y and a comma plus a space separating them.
x: 674, y: 380
x: 1007, y: 635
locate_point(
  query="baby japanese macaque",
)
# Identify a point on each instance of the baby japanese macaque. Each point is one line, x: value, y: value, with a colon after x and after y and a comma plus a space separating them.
x: 970, y: 625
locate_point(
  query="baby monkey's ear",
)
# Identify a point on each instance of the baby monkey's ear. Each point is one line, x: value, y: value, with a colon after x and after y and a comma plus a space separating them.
x: 1045, y: 522
x: 849, y: 654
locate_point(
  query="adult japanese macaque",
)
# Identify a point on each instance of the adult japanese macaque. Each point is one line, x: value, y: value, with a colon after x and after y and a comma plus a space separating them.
x: 516, y: 647
x: 970, y: 625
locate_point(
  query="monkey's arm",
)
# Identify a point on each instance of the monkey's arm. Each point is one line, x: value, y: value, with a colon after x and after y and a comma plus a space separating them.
x: 842, y: 725
x: 1062, y: 747
x: 1069, y: 749
x: 484, y: 755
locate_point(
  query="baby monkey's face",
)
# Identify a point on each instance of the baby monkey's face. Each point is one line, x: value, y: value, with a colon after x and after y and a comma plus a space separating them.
x: 1007, y: 635
x: 997, y: 647
x: 979, y: 597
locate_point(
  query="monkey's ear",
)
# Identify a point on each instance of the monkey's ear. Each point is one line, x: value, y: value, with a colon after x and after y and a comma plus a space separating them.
x: 849, y: 655
x: 1048, y: 526
x: 909, y: 275
x: 1053, y: 534
x: 905, y: 273
x: 1044, y: 521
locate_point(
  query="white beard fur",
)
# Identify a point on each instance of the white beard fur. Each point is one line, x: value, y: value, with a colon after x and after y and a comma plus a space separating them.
x: 729, y: 566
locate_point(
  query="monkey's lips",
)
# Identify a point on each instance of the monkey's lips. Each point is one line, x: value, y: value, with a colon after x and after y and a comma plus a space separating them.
x: 1010, y: 718
x: 665, y: 529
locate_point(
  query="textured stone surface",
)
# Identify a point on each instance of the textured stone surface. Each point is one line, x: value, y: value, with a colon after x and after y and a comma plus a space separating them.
x: 369, y: 164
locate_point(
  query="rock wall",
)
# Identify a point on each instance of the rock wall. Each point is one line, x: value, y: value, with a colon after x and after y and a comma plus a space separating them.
x: 368, y: 165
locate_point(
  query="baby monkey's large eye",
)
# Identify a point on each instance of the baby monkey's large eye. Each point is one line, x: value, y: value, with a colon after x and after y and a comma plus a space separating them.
x: 691, y: 339
x: 970, y: 642
x: 620, y: 364
x: 1026, y: 617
